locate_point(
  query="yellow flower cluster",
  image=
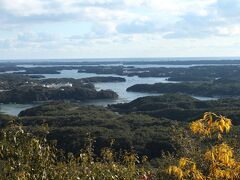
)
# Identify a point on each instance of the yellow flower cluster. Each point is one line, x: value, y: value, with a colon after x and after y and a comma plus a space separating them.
x: 219, y: 160
x: 223, y: 164
x: 186, y: 169
x: 211, y: 123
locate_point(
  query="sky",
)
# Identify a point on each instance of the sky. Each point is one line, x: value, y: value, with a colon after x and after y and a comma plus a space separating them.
x: 52, y: 29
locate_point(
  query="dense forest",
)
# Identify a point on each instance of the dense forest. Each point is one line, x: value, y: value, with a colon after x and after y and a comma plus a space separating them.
x: 109, y: 146
x: 180, y: 107
x: 70, y: 123
x: 145, y: 125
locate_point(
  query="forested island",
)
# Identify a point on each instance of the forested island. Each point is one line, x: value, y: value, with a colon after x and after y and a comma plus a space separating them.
x: 29, y: 89
x: 195, y: 73
x: 209, y: 89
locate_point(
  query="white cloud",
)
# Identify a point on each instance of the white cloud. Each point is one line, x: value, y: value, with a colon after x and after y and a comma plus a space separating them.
x: 23, y: 7
x: 177, y: 7
x: 115, y: 22
x: 229, y: 31
x: 37, y: 37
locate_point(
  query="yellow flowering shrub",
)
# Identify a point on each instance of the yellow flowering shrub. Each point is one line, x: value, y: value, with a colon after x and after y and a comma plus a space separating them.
x: 186, y: 168
x: 219, y: 159
x: 211, y: 124
x: 222, y: 162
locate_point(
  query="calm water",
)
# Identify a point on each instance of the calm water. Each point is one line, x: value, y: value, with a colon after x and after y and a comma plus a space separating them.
x: 14, y: 109
x: 118, y: 87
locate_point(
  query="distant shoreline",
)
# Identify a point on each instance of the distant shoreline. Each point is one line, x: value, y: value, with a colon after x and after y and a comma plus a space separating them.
x: 127, y: 61
x: 119, y: 59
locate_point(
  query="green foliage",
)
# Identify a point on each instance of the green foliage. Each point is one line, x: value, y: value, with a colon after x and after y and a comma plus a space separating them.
x: 70, y: 123
x: 6, y: 120
x: 181, y: 107
x: 25, y: 157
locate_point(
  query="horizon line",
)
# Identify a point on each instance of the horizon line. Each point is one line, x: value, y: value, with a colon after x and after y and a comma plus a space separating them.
x: 128, y: 58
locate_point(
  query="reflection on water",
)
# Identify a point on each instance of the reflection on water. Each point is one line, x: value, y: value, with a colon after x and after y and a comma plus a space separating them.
x: 10, y: 72
x: 74, y: 74
x: 202, y: 98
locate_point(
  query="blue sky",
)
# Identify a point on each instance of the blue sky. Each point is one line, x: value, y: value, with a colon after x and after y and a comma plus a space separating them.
x: 41, y: 29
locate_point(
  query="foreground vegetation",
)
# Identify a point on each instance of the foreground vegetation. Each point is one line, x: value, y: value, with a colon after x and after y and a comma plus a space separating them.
x: 219, y: 161
x: 25, y: 156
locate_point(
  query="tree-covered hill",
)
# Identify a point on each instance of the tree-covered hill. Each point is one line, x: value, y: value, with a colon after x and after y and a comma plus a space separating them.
x: 70, y: 125
x: 180, y: 107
